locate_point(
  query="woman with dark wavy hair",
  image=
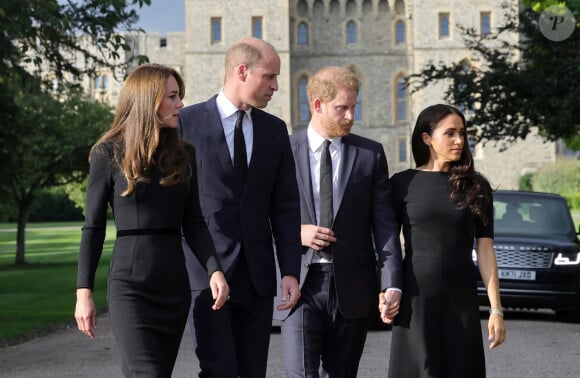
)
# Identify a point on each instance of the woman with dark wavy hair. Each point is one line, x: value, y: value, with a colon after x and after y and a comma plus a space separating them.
x: 147, y: 174
x: 442, y: 205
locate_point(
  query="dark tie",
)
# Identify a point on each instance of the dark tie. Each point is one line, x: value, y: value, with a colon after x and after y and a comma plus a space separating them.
x: 325, y: 203
x: 240, y: 157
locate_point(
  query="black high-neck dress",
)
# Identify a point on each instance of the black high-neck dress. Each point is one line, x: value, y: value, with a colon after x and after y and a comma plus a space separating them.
x: 437, y: 332
x: 148, y: 285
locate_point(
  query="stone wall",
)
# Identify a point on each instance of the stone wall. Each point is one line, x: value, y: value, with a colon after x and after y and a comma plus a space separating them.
x: 375, y: 57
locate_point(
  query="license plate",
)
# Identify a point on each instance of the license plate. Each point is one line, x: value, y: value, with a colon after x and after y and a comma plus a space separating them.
x: 510, y: 274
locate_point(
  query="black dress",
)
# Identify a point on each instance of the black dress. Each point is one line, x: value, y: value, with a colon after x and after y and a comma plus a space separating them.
x: 148, y: 286
x: 437, y: 332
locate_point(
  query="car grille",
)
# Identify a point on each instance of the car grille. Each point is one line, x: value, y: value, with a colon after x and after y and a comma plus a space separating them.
x: 523, y: 259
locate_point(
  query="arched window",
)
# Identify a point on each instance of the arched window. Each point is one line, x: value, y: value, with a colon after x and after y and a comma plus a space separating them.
x: 303, y: 34
x: 485, y: 23
x: 400, y: 32
x: 303, y: 105
x: 257, y: 27
x: 358, y: 113
x: 402, y: 150
x: 443, y: 25
x: 358, y: 109
x: 216, y: 29
x: 102, y: 82
x: 351, y: 32
x: 401, y: 100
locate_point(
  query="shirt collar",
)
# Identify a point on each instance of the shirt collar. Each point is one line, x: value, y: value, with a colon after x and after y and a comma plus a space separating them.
x: 225, y: 106
x: 315, y: 140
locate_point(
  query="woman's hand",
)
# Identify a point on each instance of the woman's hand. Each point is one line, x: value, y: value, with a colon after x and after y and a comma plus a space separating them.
x: 220, y: 291
x: 497, y: 331
x: 85, y: 313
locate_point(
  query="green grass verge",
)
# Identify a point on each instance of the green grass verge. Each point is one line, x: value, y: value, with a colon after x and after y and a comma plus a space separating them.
x: 576, y: 218
x: 40, y: 296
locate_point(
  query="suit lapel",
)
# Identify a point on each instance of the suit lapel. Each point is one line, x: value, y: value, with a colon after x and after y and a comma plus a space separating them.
x: 302, y: 158
x: 217, y: 137
x: 349, y: 153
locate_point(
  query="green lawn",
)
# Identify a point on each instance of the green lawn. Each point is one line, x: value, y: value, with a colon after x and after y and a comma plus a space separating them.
x: 40, y: 295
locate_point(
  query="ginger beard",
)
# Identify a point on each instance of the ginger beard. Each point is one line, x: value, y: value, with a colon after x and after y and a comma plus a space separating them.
x: 335, y: 129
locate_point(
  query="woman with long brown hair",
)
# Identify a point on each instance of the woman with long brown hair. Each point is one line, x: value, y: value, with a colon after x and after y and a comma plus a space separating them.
x: 443, y: 206
x: 147, y: 174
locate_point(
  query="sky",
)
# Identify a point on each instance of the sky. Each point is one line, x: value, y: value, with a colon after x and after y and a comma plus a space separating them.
x: 162, y: 16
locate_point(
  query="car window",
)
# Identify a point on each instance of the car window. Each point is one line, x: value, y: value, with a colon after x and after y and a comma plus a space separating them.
x: 531, y: 216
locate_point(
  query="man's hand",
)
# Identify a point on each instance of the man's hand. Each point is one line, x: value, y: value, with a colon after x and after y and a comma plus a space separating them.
x: 389, y: 302
x: 316, y: 237
x: 220, y: 291
x: 290, y: 293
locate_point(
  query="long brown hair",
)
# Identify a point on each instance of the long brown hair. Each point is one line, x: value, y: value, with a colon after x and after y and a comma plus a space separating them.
x: 469, y: 189
x: 137, y: 133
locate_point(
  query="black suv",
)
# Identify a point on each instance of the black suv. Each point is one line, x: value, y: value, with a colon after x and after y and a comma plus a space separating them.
x: 538, y: 253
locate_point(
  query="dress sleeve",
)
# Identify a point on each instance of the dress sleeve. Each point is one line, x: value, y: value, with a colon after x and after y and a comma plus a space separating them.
x: 98, y: 196
x: 195, y: 229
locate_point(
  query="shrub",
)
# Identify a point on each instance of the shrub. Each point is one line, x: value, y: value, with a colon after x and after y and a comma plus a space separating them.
x: 573, y: 199
x: 560, y: 177
x: 53, y: 205
x: 525, y: 182
x: 8, y: 212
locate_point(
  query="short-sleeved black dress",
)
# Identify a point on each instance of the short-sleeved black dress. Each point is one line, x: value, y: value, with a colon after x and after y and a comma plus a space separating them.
x: 148, y: 286
x: 437, y: 332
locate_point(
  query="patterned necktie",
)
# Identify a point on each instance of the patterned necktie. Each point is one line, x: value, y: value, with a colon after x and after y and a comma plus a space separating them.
x: 326, y: 210
x: 325, y: 204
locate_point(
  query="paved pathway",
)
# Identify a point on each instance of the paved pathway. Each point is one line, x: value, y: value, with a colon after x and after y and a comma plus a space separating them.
x: 68, y: 353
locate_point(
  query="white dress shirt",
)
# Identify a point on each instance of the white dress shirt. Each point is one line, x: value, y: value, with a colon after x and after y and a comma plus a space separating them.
x: 228, y: 116
x: 315, y: 143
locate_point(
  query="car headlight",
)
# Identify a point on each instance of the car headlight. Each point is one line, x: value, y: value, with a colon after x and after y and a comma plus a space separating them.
x: 567, y: 258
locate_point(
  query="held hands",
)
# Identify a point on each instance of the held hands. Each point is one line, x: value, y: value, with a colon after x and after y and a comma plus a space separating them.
x: 496, y: 328
x: 316, y: 237
x: 85, y: 313
x: 290, y: 293
x: 389, y: 302
x: 220, y: 291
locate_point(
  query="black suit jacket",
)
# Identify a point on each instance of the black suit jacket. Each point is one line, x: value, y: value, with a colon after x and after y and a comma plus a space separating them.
x: 364, y: 222
x: 266, y: 209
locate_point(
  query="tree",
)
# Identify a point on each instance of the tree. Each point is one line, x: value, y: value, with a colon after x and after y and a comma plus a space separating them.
x: 50, y: 142
x: 45, y: 136
x: 44, y: 35
x: 515, y: 85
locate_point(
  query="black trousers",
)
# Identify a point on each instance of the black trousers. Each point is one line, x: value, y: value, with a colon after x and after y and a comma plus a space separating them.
x: 315, y: 331
x: 233, y: 341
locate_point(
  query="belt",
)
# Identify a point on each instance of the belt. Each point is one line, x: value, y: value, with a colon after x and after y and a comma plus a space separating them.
x: 321, y: 267
x: 149, y: 231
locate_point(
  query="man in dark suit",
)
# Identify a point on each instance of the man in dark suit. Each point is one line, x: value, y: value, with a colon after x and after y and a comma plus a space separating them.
x: 338, y: 279
x: 249, y: 197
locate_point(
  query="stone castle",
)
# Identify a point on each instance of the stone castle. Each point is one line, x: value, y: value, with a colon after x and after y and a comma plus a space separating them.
x: 383, y: 41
